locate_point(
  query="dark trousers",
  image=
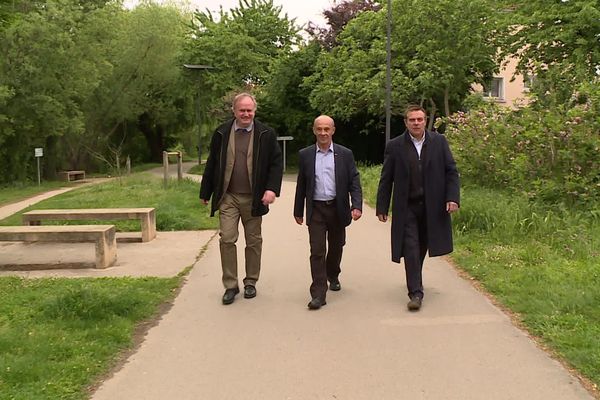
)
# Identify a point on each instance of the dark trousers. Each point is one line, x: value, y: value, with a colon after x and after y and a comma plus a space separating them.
x: 327, y: 237
x: 415, y: 247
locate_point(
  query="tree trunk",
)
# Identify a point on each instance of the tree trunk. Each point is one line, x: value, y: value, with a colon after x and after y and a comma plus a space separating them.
x: 432, y: 112
x: 50, y: 159
x: 154, y: 135
x: 446, y: 101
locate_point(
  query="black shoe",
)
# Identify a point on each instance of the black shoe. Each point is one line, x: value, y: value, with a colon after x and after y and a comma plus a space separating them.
x: 249, y: 291
x: 315, y: 304
x: 229, y: 295
x: 335, y: 286
x: 415, y: 304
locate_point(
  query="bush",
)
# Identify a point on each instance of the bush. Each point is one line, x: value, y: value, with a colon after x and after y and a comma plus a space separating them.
x: 548, y: 154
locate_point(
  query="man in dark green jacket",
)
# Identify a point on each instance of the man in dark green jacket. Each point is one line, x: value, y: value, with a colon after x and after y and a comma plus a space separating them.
x: 242, y: 176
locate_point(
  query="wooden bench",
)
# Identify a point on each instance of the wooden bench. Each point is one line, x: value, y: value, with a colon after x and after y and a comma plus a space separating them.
x: 147, y: 217
x: 103, y: 235
x: 72, y: 175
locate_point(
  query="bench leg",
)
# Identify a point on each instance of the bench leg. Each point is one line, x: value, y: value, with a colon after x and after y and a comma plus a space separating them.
x: 106, y: 250
x: 148, y: 226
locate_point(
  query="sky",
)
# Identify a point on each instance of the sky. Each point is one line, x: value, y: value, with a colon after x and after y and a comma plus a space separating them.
x: 303, y: 10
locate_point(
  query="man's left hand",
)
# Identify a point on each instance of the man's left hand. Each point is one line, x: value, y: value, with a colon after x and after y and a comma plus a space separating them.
x: 356, y: 213
x: 268, y: 197
x: 451, y: 207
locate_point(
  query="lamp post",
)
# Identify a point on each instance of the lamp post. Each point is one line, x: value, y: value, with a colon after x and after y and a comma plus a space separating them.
x: 198, y: 67
x: 388, y: 73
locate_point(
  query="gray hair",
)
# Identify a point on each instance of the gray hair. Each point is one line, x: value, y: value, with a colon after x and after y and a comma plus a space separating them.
x: 241, y: 96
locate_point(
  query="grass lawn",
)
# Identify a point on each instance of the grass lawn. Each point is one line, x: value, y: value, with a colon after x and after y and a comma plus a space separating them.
x: 57, y: 336
x: 20, y: 191
x: 17, y: 192
x: 177, y: 207
x: 197, y: 169
x: 542, y: 263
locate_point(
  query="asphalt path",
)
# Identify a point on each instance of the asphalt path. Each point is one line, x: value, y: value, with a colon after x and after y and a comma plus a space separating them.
x: 363, y: 344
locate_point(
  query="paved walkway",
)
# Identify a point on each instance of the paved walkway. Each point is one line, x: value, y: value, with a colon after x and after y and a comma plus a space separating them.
x: 362, y: 345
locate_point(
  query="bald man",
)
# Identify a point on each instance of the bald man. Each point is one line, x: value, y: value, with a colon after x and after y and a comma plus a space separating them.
x: 329, y: 184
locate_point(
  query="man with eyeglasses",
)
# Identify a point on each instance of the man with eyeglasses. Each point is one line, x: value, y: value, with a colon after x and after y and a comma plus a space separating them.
x: 243, y: 176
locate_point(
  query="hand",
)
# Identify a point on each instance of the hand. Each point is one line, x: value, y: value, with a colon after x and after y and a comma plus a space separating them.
x: 268, y: 197
x: 356, y: 213
x: 299, y: 220
x: 204, y: 201
x: 382, y: 217
x: 451, y: 207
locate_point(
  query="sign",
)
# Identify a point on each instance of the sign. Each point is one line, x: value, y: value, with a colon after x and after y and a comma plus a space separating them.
x: 284, y: 138
x: 39, y: 152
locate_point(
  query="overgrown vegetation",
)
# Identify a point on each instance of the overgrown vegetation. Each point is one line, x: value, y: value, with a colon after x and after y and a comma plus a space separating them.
x: 177, y: 207
x: 541, y: 262
x: 548, y: 154
x: 58, y: 335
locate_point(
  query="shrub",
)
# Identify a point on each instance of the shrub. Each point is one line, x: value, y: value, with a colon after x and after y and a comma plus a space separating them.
x: 548, y: 154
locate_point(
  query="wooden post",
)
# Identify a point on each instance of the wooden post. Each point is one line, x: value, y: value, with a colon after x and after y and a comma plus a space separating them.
x: 128, y: 165
x: 166, y: 168
x: 179, y: 166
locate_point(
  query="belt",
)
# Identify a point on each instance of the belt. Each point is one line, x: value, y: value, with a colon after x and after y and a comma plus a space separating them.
x: 325, y: 202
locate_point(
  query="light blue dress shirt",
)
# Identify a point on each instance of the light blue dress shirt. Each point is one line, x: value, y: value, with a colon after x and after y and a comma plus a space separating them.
x: 324, y: 174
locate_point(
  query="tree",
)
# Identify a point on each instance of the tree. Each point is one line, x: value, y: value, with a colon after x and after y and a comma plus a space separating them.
x: 556, y: 32
x: 557, y: 41
x: 337, y: 18
x: 434, y: 60
x: 284, y: 99
x: 241, y: 45
x: 144, y: 90
x: 48, y: 70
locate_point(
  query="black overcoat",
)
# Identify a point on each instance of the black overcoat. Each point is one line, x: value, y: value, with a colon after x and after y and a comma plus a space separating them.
x: 267, y: 166
x: 441, y: 184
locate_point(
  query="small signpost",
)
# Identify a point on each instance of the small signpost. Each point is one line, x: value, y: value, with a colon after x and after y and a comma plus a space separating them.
x: 284, y: 139
x: 39, y: 153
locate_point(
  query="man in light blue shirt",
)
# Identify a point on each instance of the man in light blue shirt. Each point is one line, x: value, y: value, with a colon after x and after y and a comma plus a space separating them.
x: 327, y: 182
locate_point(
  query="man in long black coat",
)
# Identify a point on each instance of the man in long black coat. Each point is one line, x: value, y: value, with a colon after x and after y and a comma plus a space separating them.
x: 420, y: 172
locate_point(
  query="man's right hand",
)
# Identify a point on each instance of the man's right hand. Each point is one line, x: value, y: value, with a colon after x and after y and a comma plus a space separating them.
x: 204, y: 201
x: 382, y: 217
x: 299, y: 220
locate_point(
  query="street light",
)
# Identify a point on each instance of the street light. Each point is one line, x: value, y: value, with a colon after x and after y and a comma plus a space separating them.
x: 198, y: 67
x: 388, y: 73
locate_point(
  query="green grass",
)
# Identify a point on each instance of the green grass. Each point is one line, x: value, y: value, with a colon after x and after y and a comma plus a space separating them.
x: 177, y: 207
x: 542, y: 263
x: 57, y: 336
x: 20, y: 191
x: 197, y: 169
x: 143, y: 167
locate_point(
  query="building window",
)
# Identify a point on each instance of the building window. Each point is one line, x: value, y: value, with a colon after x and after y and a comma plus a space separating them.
x: 494, y: 89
